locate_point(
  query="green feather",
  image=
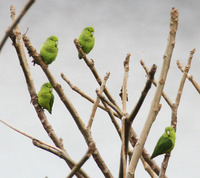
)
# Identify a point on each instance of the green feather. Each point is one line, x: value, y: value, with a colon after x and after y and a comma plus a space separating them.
x: 86, y: 40
x: 165, y: 143
x: 49, y: 49
x: 46, y: 97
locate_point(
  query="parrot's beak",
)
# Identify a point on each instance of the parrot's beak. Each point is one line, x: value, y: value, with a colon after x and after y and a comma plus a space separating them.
x: 92, y: 33
x: 56, y: 42
x: 51, y: 89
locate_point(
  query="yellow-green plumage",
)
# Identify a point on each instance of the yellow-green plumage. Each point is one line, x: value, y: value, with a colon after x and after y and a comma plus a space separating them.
x: 166, y: 142
x: 46, y: 97
x: 49, y: 49
x: 86, y: 40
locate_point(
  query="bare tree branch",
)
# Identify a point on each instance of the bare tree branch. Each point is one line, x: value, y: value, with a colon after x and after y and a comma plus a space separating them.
x: 82, y: 161
x: 111, y: 114
x: 15, y: 22
x: 155, y: 83
x: 148, y: 168
x: 15, y: 129
x: 85, y: 132
x: 127, y: 120
x: 119, y: 112
x: 143, y: 95
x: 133, y: 138
x: 56, y: 151
x: 76, y: 89
x: 37, y: 58
x: 97, y: 101
x: 125, y: 132
x: 18, y: 44
x: 187, y: 68
x: 190, y: 77
x: 124, y: 87
x: 90, y: 64
x: 124, y: 146
x: 174, y: 109
x: 155, y: 103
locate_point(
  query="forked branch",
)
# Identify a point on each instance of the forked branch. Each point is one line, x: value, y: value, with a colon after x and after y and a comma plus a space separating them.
x: 85, y: 132
x: 174, y: 109
x: 155, y: 103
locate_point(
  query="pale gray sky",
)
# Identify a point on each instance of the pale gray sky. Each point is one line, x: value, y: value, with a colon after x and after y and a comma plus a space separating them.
x: 120, y: 27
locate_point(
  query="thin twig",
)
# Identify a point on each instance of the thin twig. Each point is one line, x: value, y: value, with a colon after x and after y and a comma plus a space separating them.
x: 54, y: 150
x: 82, y: 161
x: 90, y: 64
x: 111, y: 114
x: 58, y: 152
x: 143, y: 95
x: 119, y: 112
x: 26, y: 135
x: 190, y: 77
x: 174, y: 109
x: 155, y: 103
x: 196, y: 85
x: 124, y: 87
x: 17, y: 130
x: 187, y: 68
x: 95, y: 105
x: 122, y: 170
x: 76, y: 89
x: 167, y: 99
x: 85, y: 132
x: 15, y: 22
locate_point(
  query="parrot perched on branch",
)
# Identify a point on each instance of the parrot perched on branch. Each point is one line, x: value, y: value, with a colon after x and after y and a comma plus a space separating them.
x: 86, y: 40
x: 46, y: 97
x: 49, y: 49
x: 165, y: 143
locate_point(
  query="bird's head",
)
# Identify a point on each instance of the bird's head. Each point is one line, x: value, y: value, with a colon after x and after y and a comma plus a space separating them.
x: 53, y: 39
x: 89, y: 30
x: 47, y: 85
x: 169, y: 130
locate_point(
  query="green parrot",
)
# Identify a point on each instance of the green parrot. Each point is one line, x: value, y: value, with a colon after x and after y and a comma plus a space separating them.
x: 165, y: 143
x: 86, y: 40
x: 49, y: 49
x: 46, y: 97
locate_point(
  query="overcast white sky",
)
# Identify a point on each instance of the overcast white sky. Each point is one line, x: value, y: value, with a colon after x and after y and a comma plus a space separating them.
x: 121, y: 27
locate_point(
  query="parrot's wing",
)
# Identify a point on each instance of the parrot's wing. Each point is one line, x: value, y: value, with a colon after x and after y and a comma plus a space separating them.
x: 164, y: 144
x: 51, y: 102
